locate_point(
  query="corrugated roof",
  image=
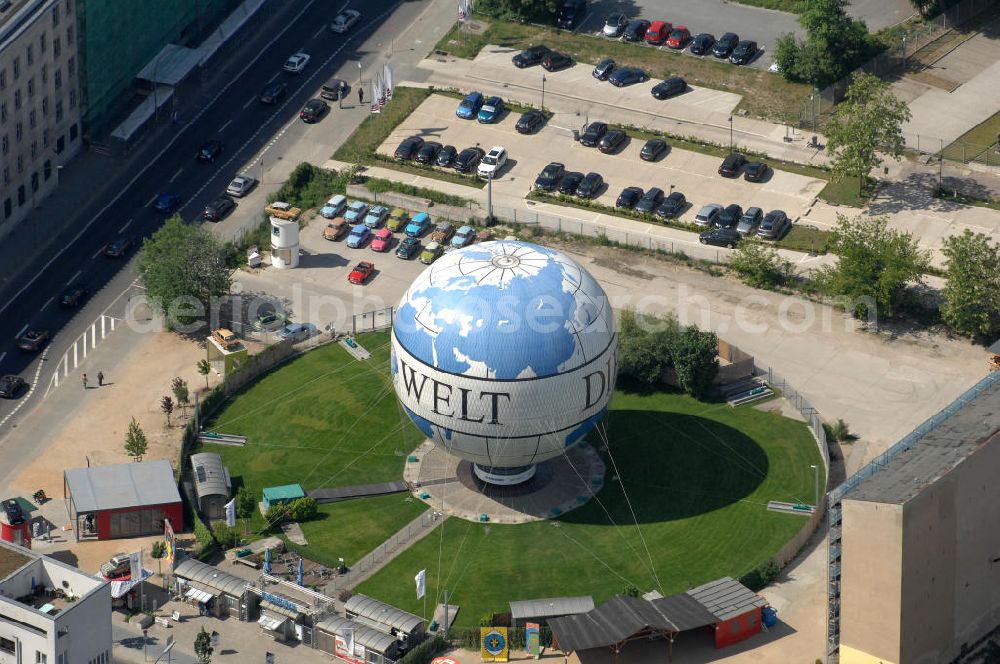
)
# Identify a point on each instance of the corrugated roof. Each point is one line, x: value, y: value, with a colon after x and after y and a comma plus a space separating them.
x: 122, y: 485
x: 551, y: 607
x: 195, y: 570
x: 382, y: 613
x: 726, y: 598
x: 366, y: 636
x: 684, y: 611
x: 210, y: 477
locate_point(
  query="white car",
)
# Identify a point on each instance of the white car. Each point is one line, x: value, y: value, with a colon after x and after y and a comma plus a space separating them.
x: 492, y: 162
x: 241, y: 186
x: 343, y: 21
x: 296, y: 63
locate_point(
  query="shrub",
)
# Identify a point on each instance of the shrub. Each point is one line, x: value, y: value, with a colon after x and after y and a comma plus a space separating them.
x: 760, y: 576
x: 303, y: 509
x: 202, y: 535
x: 225, y: 537
x: 275, y: 514
x: 758, y: 264
x: 426, y: 651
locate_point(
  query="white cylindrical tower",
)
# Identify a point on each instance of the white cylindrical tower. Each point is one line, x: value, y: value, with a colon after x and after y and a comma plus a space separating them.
x: 284, y: 243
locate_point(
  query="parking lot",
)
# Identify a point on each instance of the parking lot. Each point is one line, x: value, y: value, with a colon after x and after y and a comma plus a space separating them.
x: 692, y: 173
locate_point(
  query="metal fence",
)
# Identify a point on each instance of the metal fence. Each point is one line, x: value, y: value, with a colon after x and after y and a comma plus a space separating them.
x: 372, y: 321
x: 806, y: 409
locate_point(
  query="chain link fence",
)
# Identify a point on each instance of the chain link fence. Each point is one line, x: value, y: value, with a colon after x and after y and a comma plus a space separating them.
x: 372, y: 321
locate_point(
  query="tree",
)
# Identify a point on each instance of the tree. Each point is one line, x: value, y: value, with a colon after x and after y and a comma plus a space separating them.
x: 157, y: 552
x: 835, y: 44
x: 757, y: 264
x: 179, y: 387
x: 644, y: 350
x: 520, y: 10
x: 135, y: 441
x: 303, y: 509
x: 167, y: 406
x: 868, y: 122
x: 183, y: 266
x: 695, y: 358
x: 203, y: 647
x: 628, y: 590
x: 204, y: 368
x: 245, y: 503
x: 972, y: 291
x: 874, y: 266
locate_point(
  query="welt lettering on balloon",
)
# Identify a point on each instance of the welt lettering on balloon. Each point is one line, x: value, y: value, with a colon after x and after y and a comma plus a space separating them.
x: 442, y: 395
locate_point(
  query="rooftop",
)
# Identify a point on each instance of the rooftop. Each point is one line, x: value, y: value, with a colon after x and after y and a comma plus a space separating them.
x: 726, y: 598
x: 550, y: 607
x: 121, y: 486
x: 934, y: 455
x: 40, y: 582
x: 15, y: 15
x: 210, y: 477
x: 12, y: 559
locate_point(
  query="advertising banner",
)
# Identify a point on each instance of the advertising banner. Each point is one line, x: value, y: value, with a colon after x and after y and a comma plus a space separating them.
x: 532, y: 639
x: 494, y: 646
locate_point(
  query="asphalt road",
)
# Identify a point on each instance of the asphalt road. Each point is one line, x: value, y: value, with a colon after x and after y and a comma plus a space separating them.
x: 233, y: 116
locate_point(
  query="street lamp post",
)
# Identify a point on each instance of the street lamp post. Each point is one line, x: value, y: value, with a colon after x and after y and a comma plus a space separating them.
x: 816, y: 489
x: 812, y: 103
x: 730, y: 133
x: 262, y: 169
x: 543, y: 93
x: 359, y: 72
x: 489, y: 201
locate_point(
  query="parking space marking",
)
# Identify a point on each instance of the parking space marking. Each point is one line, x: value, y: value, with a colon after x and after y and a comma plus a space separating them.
x: 127, y: 224
x: 176, y: 175
x: 73, y: 278
x: 223, y: 127
x: 47, y: 302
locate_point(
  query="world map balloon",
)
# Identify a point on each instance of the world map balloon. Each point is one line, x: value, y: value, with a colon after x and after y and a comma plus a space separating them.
x: 504, y: 353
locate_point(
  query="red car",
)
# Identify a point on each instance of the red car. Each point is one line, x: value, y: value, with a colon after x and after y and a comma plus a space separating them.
x: 382, y: 240
x: 678, y: 37
x: 658, y: 32
x: 361, y: 272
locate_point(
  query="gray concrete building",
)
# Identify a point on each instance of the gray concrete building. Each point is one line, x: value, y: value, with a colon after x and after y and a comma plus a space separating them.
x: 39, y: 103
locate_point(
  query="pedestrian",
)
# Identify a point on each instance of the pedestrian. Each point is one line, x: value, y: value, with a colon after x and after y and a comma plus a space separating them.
x: 100, y: 378
x: 84, y: 381
x: 361, y: 95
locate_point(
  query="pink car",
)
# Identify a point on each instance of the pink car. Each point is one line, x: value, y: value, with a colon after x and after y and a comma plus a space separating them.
x: 382, y: 240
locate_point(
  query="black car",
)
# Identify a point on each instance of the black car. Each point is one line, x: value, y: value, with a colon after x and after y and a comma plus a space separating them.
x: 730, y: 216
x: 702, y: 44
x: 15, y: 516
x: 720, y: 237
x: 11, y: 386
x: 593, y: 133
x: 530, y: 56
x: 446, y: 155
x: 650, y: 200
x: 210, y: 151
x: 218, y: 209
x: 427, y: 153
x: 408, y: 148
x: 627, y: 76
x: 755, y: 171
x: 725, y: 45
x: 635, y: 31
x: 603, y: 69
x: 672, y: 205
x: 671, y: 87
x: 652, y: 150
x: 590, y: 185
x: 118, y: 248
x: 555, y: 61
x: 570, y: 182
x: 32, y: 340
x: 530, y: 122
x: 313, y: 110
x: 468, y: 159
x: 548, y: 179
x: 73, y: 296
x: 612, y: 141
x: 408, y: 248
x: 732, y: 164
x: 273, y: 93
x: 743, y: 53
x: 774, y: 226
x: 629, y: 197
x: 571, y: 14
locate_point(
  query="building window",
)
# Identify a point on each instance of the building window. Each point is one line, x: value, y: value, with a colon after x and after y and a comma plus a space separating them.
x: 34, y: 149
x: 20, y: 164
x: 56, y: 45
x: 32, y: 119
x: 69, y: 35
x: 55, y: 16
x: 6, y: 645
x: 57, y: 77
x: 72, y: 98
x: 45, y: 137
x: 6, y: 174
x: 3, y: 112
x: 17, y: 68
x: 5, y: 144
x: 31, y: 86
x: 73, y: 131
x: 30, y: 54
x: 60, y: 144
x: 59, y: 111
x: 71, y: 66
x: 69, y: 7
x: 45, y: 74
x: 17, y: 99
x: 8, y: 207
x: 45, y: 107
x: 47, y: 168
x: 34, y: 181
x: 3, y: 79
x: 42, y: 43
x: 41, y: 658
x: 18, y: 131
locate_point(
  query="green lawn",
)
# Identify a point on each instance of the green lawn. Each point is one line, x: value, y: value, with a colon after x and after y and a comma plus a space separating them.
x: 971, y: 145
x: 699, y: 477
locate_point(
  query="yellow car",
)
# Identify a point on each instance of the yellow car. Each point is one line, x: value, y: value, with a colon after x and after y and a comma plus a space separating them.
x: 397, y: 220
x: 430, y: 253
x: 282, y: 210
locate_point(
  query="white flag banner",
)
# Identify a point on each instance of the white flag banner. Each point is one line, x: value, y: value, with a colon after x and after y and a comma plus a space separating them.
x: 348, y: 635
x: 381, y: 89
x: 421, y: 579
x: 387, y: 72
x: 231, y: 513
x: 461, y: 10
x: 375, y: 105
x: 135, y: 564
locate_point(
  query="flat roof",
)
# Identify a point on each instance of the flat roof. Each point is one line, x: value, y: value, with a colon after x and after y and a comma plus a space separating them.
x: 121, y: 486
x: 11, y: 560
x: 551, y: 607
x: 286, y: 491
x: 726, y: 598
x: 934, y: 455
x: 18, y: 16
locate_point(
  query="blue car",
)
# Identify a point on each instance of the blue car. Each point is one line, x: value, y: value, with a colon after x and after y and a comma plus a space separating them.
x: 356, y: 212
x: 334, y: 207
x: 376, y: 216
x: 469, y: 106
x: 167, y: 203
x: 359, y: 236
x: 465, y: 236
x: 491, y: 110
x: 418, y: 224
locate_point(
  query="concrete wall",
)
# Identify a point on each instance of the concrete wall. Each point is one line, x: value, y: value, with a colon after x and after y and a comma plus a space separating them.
x: 871, y: 585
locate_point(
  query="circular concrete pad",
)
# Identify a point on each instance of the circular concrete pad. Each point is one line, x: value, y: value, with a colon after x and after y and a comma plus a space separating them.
x: 449, y: 485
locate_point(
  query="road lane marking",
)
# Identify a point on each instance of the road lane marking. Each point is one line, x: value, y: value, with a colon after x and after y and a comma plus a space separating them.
x: 3, y: 356
x: 151, y: 200
x: 252, y: 100
x: 319, y: 32
x: 273, y: 78
x: 127, y: 224
x: 224, y: 126
x: 176, y: 175
x: 97, y: 253
x: 48, y: 302
x: 34, y: 383
x: 73, y: 278
x: 23, y: 330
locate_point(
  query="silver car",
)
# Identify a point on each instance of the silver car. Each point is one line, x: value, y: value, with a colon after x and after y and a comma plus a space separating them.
x: 708, y: 214
x: 749, y: 221
x: 241, y: 186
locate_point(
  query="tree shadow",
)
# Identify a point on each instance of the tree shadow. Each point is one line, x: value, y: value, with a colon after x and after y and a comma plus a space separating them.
x: 673, y: 466
x: 916, y: 192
